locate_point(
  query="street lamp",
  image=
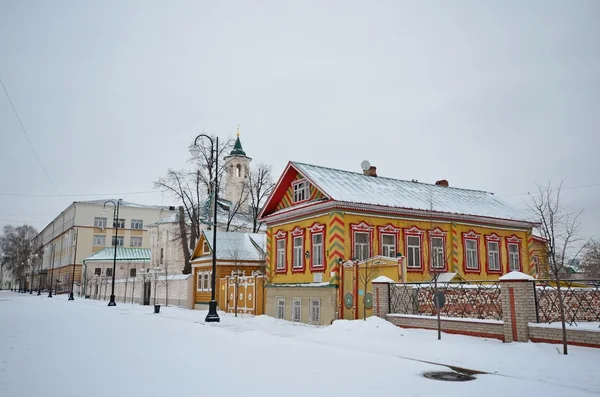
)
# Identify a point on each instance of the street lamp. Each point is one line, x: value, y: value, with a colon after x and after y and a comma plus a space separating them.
x: 71, y: 297
x: 212, y: 315
x: 116, y: 225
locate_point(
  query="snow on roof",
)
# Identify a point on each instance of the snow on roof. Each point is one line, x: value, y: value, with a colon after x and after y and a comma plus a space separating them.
x: 515, y: 275
x: 382, y: 279
x: 448, y: 277
x: 124, y: 203
x: 237, y: 245
x: 353, y: 187
x: 123, y: 255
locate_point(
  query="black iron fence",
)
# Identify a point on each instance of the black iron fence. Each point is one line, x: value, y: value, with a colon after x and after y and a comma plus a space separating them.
x: 465, y: 299
x: 581, y: 300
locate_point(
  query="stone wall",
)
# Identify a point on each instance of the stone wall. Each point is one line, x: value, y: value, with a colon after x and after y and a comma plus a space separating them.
x: 518, y: 321
x: 464, y: 326
x: 580, y: 337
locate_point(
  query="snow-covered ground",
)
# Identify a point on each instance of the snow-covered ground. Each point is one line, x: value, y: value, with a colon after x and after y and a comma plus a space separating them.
x: 52, y: 347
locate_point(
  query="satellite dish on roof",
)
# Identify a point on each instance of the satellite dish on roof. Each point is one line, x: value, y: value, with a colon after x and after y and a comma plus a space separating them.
x: 365, y: 165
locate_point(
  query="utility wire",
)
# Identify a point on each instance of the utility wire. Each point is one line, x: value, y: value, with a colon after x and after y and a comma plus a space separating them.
x: 564, y: 188
x: 28, y: 140
x: 76, y: 195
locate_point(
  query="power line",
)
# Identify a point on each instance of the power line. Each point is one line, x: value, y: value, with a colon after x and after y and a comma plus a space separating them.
x: 564, y: 188
x: 76, y: 195
x: 27, y: 136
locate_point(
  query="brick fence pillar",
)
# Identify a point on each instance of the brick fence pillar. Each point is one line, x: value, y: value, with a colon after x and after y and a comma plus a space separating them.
x: 518, y: 305
x: 381, y: 297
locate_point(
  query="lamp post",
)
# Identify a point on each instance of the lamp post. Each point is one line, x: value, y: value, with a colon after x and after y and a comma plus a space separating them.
x: 212, y: 315
x: 52, y: 271
x: 116, y: 225
x: 71, y: 297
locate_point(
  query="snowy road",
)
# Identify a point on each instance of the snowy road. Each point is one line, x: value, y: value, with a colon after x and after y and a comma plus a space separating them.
x: 52, y: 347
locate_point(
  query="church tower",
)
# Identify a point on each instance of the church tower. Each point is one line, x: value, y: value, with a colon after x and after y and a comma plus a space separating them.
x: 237, y: 170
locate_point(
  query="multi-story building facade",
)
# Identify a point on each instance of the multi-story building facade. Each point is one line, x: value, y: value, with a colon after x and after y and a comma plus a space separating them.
x: 85, y: 228
x: 330, y: 232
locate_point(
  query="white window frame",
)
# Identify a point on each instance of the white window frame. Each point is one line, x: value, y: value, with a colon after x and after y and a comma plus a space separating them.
x: 301, y: 191
x: 360, y: 248
x: 203, y: 281
x: 100, y: 222
x: 411, y: 250
x: 98, y: 238
x: 495, y: 254
x: 296, y: 309
x: 135, y: 238
x: 298, y: 252
x: 120, y: 239
x: 280, y: 307
x: 512, y: 256
x: 280, y: 264
x: 388, y: 250
x: 121, y: 222
x: 137, y: 224
x: 438, y: 253
x: 314, y: 302
x: 317, y: 251
x: 471, y: 254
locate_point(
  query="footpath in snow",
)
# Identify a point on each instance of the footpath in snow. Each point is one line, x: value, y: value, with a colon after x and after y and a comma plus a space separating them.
x: 53, y: 347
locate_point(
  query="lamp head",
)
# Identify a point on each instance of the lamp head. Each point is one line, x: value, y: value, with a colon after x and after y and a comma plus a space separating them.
x: 194, y: 151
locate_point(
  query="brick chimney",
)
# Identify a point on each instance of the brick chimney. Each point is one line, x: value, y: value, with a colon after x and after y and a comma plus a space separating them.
x: 442, y: 182
x: 372, y: 171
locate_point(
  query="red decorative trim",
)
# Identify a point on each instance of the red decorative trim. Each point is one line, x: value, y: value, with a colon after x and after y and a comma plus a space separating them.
x: 414, y: 231
x: 517, y: 241
x: 494, y: 238
x: 298, y: 232
x: 437, y: 232
x: 361, y: 227
x: 389, y: 229
x: 513, y: 315
x: 471, y: 235
x: 315, y: 229
x: 456, y: 332
x: 378, y: 302
x: 554, y: 341
x: 281, y: 235
x: 355, y: 269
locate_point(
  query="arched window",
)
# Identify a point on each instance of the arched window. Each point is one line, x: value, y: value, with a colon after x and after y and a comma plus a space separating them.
x: 238, y: 170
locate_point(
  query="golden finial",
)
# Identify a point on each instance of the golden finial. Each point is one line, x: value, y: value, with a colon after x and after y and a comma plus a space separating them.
x: 238, y: 131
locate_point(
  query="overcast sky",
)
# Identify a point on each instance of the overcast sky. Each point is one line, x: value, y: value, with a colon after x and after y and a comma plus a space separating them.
x: 489, y: 95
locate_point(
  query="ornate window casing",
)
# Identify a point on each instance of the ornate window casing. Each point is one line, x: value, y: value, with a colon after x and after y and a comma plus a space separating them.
x: 413, y: 243
x: 389, y: 240
x: 300, y: 191
x: 493, y: 254
x: 317, y: 247
x: 437, y: 251
x: 362, y: 240
x: 513, y: 251
x: 298, y: 261
x: 471, y: 252
x: 280, y: 252
x: 203, y: 281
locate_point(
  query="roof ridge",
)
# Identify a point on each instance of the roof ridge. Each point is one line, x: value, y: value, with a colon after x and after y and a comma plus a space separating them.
x: 389, y: 178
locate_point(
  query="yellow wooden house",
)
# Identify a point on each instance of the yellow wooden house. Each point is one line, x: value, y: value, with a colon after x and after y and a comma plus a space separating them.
x: 240, y: 255
x: 331, y: 232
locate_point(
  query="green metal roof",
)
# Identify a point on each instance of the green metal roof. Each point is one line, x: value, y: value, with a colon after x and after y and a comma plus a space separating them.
x: 237, y: 148
x: 123, y: 255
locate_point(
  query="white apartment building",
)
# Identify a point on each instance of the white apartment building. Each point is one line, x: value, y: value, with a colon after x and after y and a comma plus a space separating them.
x: 85, y: 228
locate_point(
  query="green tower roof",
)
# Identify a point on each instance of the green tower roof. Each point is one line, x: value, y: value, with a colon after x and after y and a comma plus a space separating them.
x: 237, y: 148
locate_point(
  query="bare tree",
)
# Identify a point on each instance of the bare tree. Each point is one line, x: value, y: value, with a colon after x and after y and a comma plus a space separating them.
x: 166, y: 283
x: 560, y: 229
x: 191, y: 188
x: 17, y: 250
x: 260, y: 186
x: 127, y: 267
x: 590, y: 263
x: 235, y: 219
x: 187, y: 256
